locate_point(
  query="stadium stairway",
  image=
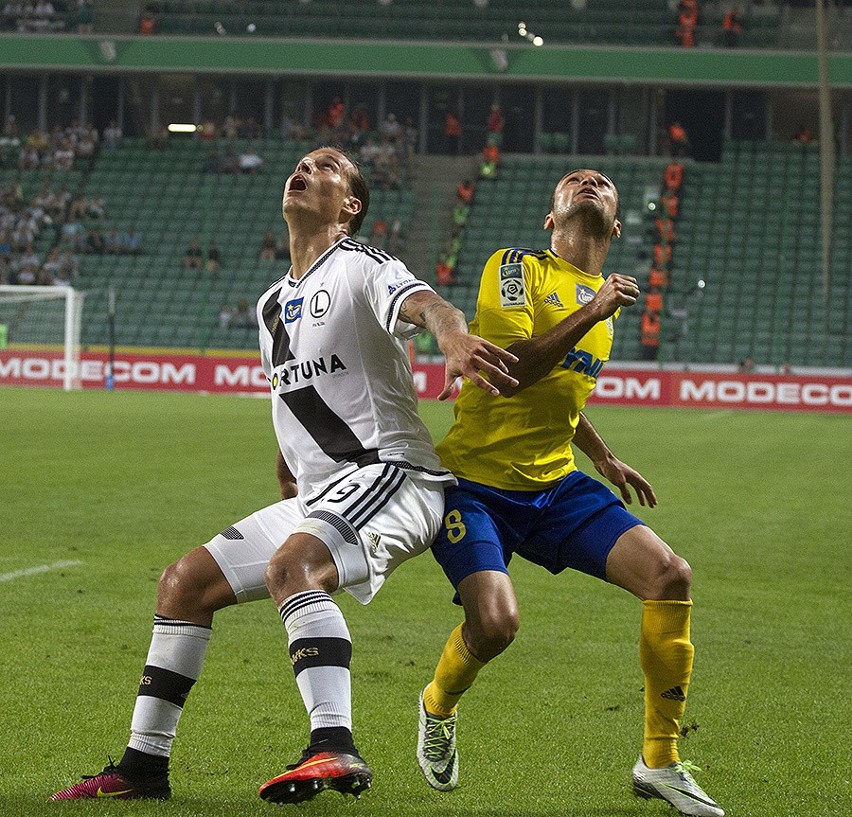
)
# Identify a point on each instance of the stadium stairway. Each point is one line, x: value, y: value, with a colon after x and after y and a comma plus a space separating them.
x: 434, y: 185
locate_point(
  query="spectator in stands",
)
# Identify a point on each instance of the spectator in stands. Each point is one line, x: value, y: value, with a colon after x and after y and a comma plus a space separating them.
x: 226, y: 314
x: 29, y: 264
x: 71, y: 229
x: 673, y: 177
x: 670, y: 202
x: 496, y: 123
x: 87, y: 142
x: 803, y: 135
x: 62, y: 278
x: 208, y: 131
x: 112, y: 242
x: 147, y: 22
x: 29, y: 158
x: 368, y: 153
x: 465, y: 191
x: 250, y: 161
x: 650, y: 334
x: 678, y: 140
x: 85, y: 16
x: 461, y: 213
x: 51, y: 263
x: 193, y: 256
x: 336, y: 113
x: 666, y: 230
x: 658, y: 278
x: 243, y: 318
x: 654, y: 300
x: 410, y: 136
x: 391, y: 129
x: 68, y: 265
x: 490, y: 161
x: 732, y: 27
x: 786, y: 368
x: 452, y: 133
x: 131, y: 242
x: 395, y: 236
x: 379, y: 233
x: 95, y: 243
x: 11, y: 12
x: 746, y: 365
x: 444, y: 273
x: 214, y: 258
x: 687, y: 22
x: 662, y: 256
x: 112, y: 135
x: 386, y: 173
x: 44, y: 13
x: 360, y: 118
x: 268, y: 247
x: 63, y: 156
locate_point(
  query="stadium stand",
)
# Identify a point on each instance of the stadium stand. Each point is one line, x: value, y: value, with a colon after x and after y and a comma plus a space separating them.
x: 626, y: 22
x: 168, y: 199
x: 750, y: 229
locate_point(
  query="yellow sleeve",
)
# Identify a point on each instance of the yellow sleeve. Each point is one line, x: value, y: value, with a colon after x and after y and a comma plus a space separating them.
x: 504, y: 309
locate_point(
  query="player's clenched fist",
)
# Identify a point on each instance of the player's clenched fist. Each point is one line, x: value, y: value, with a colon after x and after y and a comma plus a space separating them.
x: 617, y: 291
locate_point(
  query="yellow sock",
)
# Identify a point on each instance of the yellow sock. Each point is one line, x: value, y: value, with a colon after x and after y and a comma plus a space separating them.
x: 456, y: 671
x: 665, y: 653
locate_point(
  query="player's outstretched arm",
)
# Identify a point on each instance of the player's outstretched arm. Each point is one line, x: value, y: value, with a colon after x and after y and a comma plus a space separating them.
x: 539, y: 354
x: 286, y: 480
x: 608, y: 465
x: 466, y: 355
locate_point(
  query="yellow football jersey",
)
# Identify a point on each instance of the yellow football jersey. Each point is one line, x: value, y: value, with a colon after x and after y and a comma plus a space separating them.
x: 524, y: 442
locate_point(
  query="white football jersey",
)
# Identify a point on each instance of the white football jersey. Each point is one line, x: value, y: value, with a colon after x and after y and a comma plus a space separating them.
x: 334, y: 351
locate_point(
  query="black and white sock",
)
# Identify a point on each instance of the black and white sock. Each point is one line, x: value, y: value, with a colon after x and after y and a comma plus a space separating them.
x: 173, y: 665
x: 320, y: 652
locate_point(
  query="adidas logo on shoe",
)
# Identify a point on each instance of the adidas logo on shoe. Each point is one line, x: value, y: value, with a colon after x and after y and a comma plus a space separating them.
x: 673, y: 694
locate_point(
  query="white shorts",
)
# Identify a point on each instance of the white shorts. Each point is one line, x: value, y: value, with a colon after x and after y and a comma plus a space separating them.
x: 371, y: 521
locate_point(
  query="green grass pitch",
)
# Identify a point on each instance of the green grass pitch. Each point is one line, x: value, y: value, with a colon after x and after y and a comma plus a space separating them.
x: 121, y: 484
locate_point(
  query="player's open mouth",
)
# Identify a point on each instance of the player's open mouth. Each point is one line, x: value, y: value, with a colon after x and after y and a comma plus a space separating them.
x: 297, y: 183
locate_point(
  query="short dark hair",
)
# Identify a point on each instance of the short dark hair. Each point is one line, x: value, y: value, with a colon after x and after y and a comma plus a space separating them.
x: 359, y: 188
x: 617, y: 195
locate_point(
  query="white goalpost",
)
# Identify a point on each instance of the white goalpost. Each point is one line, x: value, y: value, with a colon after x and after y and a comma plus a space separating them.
x: 45, y: 316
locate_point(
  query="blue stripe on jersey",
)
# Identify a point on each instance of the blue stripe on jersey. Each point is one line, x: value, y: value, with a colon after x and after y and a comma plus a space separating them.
x: 515, y: 254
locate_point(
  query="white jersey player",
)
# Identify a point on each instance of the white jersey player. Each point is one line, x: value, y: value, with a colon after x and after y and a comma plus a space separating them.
x: 363, y: 486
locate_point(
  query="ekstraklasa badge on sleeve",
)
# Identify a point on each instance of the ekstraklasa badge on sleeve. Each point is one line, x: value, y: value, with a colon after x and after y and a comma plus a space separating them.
x: 512, y: 289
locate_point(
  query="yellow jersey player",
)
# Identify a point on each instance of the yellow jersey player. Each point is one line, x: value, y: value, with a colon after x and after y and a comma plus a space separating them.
x: 520, y: 493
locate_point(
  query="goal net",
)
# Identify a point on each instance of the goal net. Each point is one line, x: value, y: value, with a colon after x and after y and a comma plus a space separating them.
x: 46, y: 317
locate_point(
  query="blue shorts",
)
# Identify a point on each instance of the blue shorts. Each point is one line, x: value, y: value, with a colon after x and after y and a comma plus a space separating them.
x: 574, y: 524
